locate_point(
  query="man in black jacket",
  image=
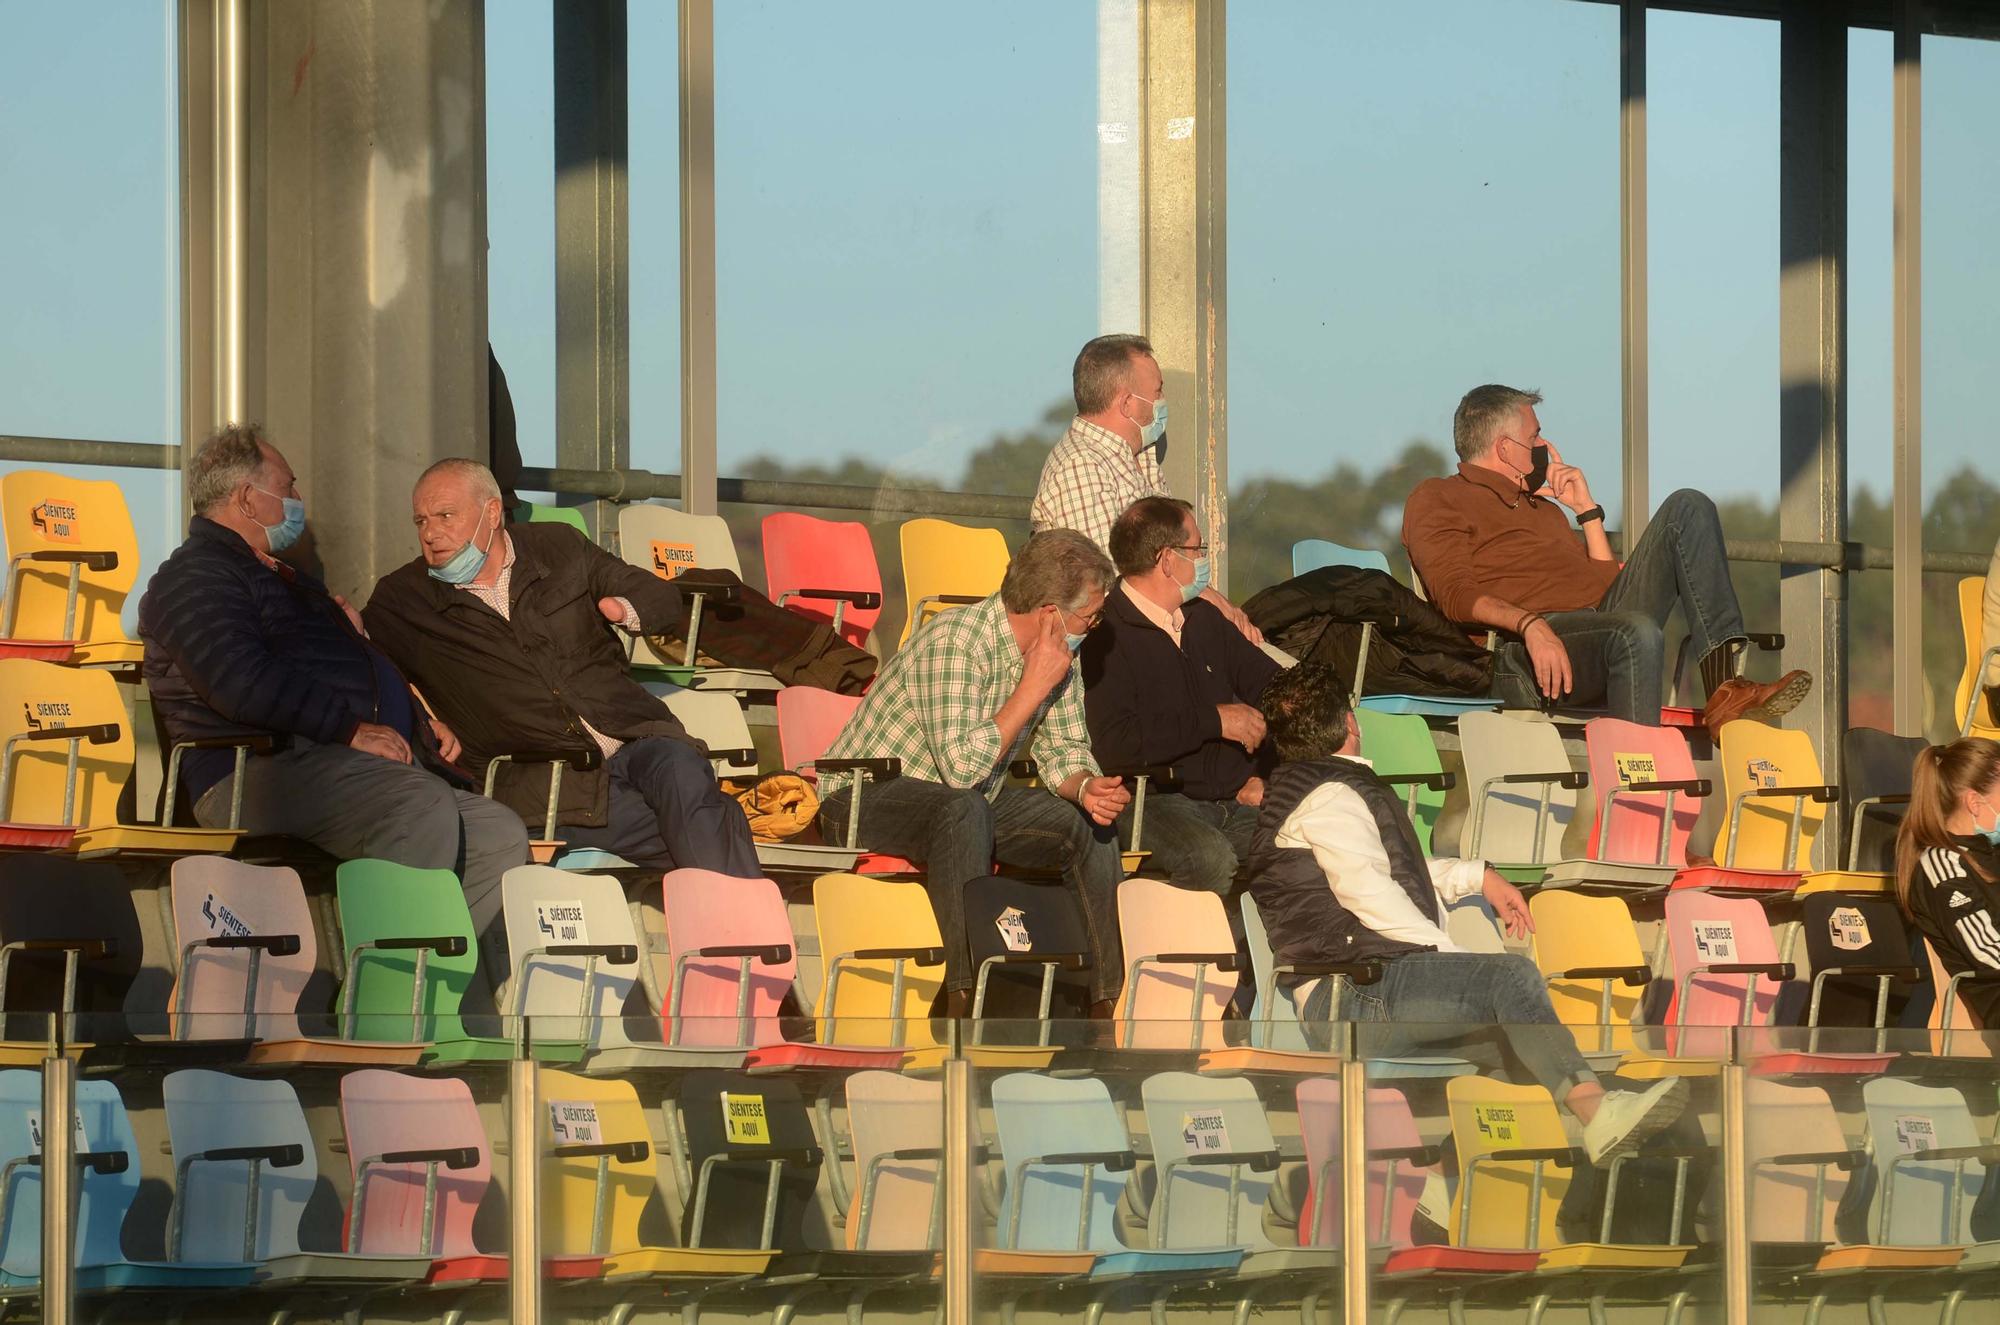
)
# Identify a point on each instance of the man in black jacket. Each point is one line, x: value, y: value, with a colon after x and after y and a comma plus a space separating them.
x: 239, y: 643
x: 1169, y: 680
x: 509, y: 630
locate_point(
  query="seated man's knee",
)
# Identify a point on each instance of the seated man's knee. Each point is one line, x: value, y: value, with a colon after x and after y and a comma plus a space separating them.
x: 1207, y: 863
x: 963, y: 812
x: 1641, y: 634
x: 1686, y: 501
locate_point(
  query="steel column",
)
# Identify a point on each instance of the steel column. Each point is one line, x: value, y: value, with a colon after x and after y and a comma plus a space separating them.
x: 58, y: 1189
x: 1907, y: 538
x: 1735, y: 1191
x: 960, y: 1136
x: 1355, y: 1264
x: 1812, y: 357
x: 698, y: 433
x: 1633, y: 363
x: 524, y: 1177
x: 593, y: 270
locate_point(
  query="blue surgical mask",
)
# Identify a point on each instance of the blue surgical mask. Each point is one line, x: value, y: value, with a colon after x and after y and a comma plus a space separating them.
x: 1992, y: 835
x: 1074, y: 642
x: 286, y: 532
x: 466, y: 563
x: 1152, y: 432
x: 1203, y: 574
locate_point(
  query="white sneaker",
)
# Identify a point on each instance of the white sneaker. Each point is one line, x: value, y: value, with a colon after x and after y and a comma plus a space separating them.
x: 1626, y: 1119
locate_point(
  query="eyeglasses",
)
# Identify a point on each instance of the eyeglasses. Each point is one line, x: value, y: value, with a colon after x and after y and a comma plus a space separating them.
x: 1090, y: 623
x: 1194, y: 550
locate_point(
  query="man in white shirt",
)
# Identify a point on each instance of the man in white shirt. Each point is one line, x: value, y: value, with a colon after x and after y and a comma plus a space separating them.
x: 1348, y: 897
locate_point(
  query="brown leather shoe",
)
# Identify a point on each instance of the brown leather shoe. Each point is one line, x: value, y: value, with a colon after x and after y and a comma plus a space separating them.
x: 1738, y: 698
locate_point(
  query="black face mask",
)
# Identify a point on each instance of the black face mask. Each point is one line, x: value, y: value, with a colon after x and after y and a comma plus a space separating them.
x: 1538, y: 468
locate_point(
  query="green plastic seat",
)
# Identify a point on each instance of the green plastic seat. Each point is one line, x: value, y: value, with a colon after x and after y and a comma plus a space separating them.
x: 1399, y: 744
x: 395, y: 920
x: 530, y: 513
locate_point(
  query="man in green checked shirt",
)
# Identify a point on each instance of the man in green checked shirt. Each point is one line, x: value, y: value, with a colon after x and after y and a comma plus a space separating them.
x: 975, y: 688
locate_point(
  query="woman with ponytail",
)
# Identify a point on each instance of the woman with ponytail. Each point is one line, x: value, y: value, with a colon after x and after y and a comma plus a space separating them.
x: 1948, y: 864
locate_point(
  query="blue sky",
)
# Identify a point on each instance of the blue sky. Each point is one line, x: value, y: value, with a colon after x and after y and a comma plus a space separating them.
x: 1423, y: 195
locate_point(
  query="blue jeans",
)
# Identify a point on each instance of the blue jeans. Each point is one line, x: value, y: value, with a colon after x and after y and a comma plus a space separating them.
x: 668, y: 812
x: 1617, y: 651
x: 1193, y: 843
x: 1470, y: 1005
x: 956, y: 835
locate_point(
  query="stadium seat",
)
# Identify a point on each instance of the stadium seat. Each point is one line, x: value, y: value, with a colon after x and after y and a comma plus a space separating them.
x: 1180, y: 966
x: 1588, y: 951
x: 884, y: 961
x: 1400, y: 747
x: 1522, y: 794
x: 69, y: 942
x: 1974, y: 707
x: 106, y: 1184
x: 718, y: 722
x: 948, y: 565
x: 1931, y: 1161
x: 245, y: 1168
x: 1955, y: 1031
x: 1313, y: 553
x: 1030, y: 954
x: 1774, y: 804
x: 529, y: 512
x: 808, y: 721
x: 1858, y: 954
x: 68, y: 757
x: 408, y: 956
x: 668, y: 542
x: 825, y: 570
x: 1876, y: 768
x: 1648, y: 798
x: 72, y: 558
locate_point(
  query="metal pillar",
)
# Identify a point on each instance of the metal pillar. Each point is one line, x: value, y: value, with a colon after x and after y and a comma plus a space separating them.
x: 524, y: 1177
x: 1812, y: 357
x: 1184, y: 201
x: 961, y: 1134
x: 357, y: 276
x: 1907, y: 591
x: 1355, y: 1264
x: 58, y: 1189
x: 592, y: 257
x: 697, y: 48
x: 1120, y: 169
x: 1735, y: 1191
x: 1634, y: 370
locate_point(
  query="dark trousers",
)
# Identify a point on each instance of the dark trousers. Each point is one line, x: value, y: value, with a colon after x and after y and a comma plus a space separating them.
x: 1192, y: 843
x: 1617, y: 652
x: 667, y: 812
x: 956, y: 835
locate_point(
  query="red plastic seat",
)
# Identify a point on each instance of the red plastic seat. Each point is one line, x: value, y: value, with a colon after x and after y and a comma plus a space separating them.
x: 804, y: 554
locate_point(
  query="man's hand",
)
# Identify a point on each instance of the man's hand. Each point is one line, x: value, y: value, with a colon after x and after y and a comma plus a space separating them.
x: 375, y: 739
x: 1048, y: 659
x: 353, y: 617
x: 1103, y: 799
x: 448, y: 746
x: 1242, y: 724
x: 1235, y: 615
x: 613, y: 610
x: 1508, y: 905
x: 1549, y: 658
x: 1251, y: 792
x: 1566, y: 482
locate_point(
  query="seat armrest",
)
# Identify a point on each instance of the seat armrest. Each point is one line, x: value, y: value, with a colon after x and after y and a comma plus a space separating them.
x: 452, y: 1157
x: 1116, y: 1161
x: 444, y: 945
x: 618, y: 954
x: 275, y: 945
x: 1631, y: 975
x: 1570, y: 779
x: 1771, y: 970
x: 886, y: 768
x: 766, y: 954
x: 932, y: 956
x: 1821, y: 795
x: 1221, y: 961
x: 97, y: 561
x: 1691, y: 786
x: 1842, y: 1159
x: 864, y: 599
x: 1259, y: 1161
x: 1361, y: 973
x: 1434, y: 781
x: 625, y: 1152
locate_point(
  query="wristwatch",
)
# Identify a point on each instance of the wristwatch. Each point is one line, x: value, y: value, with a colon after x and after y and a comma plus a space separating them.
x: 1594, y: 513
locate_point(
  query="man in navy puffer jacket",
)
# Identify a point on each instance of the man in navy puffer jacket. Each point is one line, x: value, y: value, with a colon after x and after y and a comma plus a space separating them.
x: 240, y: 643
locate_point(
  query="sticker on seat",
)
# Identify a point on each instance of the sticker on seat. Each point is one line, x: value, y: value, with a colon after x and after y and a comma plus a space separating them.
x: 670, y: 559
x: 574, y: 1122
x: 743, y: 1120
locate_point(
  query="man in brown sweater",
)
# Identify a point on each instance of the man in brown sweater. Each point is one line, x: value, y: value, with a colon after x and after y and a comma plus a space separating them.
x: 1494, y: 548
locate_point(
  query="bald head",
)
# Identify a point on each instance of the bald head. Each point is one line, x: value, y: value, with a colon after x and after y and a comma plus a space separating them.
x: 455, y: 502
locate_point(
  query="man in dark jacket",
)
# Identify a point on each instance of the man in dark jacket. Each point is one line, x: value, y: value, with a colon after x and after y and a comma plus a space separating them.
x: 1340, y: 881
x: 238, y: 643
x: 508, y: 629
x: 1168, y: 680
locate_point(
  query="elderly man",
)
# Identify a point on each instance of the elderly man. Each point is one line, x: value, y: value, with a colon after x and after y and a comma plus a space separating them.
x: 1110, y: 457
x: 508, y: 629
x: 968, y: 692
x: 1167, y: 680
x: 239, y: 643
x: 1495, y: 549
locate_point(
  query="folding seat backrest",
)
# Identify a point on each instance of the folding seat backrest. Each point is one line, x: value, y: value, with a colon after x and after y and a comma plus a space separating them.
x: 1184, y: 998
x: 212, y: 1119
x: 579, y: 1114
x: 1875, y: 764
x: 37, y: 697
x: 1472, y: 924
x: 892, y: 1119
x: 716, y: 720
x: 1489, y: 1116
x: 1849, y: 930
x: 1506, y: 821
x: 743, y: 925
x: 879, y: 1000
x: 944, y: 561
x: 1310, y: 554
x: 1628, y: 822
x: 1795, y: 1202
x: 55, y: 518
x: 65, y: 905
x: 1756, y: 756
x: 1058, y: 1207
x: 1273, y: 1006
x: 1391, y: 1127
x: 389, y: 915
x: 668, y: 542
x: 808, y: 721
x: 805, y: 552
x: 105, y: 1190
x: 1954, y: 1030
x: 546, y: 908
x: 1920, y: 1202
x: 1193, y: 1120
x: 1705, y: 930
x: 1577, y: 931
x: 738, y: 1126
x: 390, y: 1113
x: 1017, y: 932
x: 1970, y: 704
x: 216, y: 898
x: 1400, y: 743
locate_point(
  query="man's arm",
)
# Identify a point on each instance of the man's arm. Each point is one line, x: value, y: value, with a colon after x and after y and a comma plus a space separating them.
x: 1442, y: 553
x: 658, y: 603
x: 1250, y: 668
x: 1335, y: 823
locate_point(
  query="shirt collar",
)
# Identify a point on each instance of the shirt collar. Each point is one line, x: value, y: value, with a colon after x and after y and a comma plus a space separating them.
x: 1170, y: 622
x: 1104, y: 439
x: 1500, y: 485
x: 1357, y: 759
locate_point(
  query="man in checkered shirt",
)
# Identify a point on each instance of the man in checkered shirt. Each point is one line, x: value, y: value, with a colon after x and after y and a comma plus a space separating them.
x: 972, y: 689
x: 1110, y: 457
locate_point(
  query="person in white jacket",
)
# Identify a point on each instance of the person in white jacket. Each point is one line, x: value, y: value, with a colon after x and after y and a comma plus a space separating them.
x: 1350, y: 902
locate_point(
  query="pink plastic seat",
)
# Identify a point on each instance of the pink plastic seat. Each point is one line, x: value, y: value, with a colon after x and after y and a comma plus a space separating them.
x: 1180, y: 966
x: 1624, y: 754
x: 808, y: 721
x: 805, y: 553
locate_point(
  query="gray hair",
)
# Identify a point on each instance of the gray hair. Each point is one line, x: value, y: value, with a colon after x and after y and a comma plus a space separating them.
x: 1103, y: 367
x: 1481, y: 414
x: 1148, y: 527
x: 230, y: 458
x: 474, y: 475
x: 1058, y: 566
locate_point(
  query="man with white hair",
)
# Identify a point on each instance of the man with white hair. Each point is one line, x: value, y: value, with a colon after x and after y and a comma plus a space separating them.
x: 242, y: 644
x: 509, y: 631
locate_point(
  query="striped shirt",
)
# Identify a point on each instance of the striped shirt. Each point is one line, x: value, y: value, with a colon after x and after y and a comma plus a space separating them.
x: 1959, y: 913
x: 933, y: 705
x: 1090, y: 478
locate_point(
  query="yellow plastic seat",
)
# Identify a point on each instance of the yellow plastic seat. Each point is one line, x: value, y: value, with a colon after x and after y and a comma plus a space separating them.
x: 884, y: 961
x: 1588, y: 951
x: 72, y: 558
x: 1974, y: 711
x: 948, y: 565
x: 69, y: 753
